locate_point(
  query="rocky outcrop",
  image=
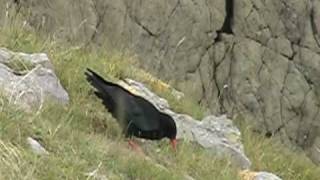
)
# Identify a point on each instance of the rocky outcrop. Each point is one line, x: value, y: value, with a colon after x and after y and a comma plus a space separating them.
x: 256, y: 58
x: 27, y: 80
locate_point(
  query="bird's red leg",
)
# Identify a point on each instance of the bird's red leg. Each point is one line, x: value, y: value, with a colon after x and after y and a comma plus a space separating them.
x: 135, y: 146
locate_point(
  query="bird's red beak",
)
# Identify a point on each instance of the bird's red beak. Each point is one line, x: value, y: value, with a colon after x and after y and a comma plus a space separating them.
x: 174, y: 143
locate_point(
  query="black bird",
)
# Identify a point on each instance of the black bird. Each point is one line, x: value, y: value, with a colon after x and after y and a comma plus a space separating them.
x: 137, y: 116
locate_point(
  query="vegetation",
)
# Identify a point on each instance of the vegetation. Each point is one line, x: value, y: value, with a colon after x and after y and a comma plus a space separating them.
x: 19, y: 66
x: 84, y: 141
x: 270, y: 155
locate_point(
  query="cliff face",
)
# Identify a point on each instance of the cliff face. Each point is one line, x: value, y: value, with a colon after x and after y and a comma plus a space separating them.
x: 257, y: 58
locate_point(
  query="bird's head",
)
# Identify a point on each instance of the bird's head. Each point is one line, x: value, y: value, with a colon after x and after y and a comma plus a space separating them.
x: 170, y: 129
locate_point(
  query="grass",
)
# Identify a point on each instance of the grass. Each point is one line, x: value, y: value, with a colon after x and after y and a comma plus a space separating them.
x: 19, y: 66
x: 84, y: 141
x: 268, y: 154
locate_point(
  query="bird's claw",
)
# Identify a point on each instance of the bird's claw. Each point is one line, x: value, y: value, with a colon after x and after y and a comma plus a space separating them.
x: 135, y: 147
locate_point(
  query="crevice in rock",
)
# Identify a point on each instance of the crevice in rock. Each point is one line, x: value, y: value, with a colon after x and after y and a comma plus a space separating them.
x: 175, y: 8
x: 282, y: 96
x: 197, y: 69
x: 100, y: 17
x: 211, y: 20
x: 311, y: 133
x: 140, y: 24
x: 256, y: 40
x: 253, y: 8
x: 294, y: 52
x: 228, y: 92
x: 220, y: 92
x: 227, y: 24
x: 197, y: 66
x: 300, y: 132
x: 268, y: 134
x: 17, y: 5
x: 145, y: 28
x: 314, y: 26
x: 203, y: 89
x: 305, y: 76
x: 274, y: 132
x: 309, y: 49
x: 215, y: 80
x: 259, y: 70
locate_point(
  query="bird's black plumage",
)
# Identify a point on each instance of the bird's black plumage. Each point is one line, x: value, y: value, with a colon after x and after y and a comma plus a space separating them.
x: 137, y: 116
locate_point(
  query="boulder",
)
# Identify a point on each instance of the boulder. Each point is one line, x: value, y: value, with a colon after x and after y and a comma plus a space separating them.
x: 27, y: 80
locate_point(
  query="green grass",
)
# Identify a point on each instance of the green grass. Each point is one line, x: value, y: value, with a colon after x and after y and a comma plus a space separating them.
x: 82, y: 138
x: 19, y: 66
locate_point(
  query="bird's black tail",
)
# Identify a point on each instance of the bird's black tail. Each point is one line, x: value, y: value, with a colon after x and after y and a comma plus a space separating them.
x: 103, y: 88
x: 101, y: 84
x: 96, y: 80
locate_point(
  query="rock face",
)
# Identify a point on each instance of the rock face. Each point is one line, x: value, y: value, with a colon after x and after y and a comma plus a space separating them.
x: 256, y: 58
x: 28, y: 80
x: 217, y: 134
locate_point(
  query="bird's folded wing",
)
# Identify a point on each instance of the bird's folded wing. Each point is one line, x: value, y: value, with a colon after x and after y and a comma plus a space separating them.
x: 142, y: 118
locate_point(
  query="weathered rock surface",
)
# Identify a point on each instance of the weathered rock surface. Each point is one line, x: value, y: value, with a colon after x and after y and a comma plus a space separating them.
x: 28, y: 80
x: 256, y: 58
x: 217, y: 134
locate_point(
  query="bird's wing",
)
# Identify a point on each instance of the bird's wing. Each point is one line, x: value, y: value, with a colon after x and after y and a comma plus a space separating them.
x: 105, y: 90
x: 142, y: 114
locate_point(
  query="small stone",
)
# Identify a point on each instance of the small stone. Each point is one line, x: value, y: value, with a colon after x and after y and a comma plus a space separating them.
x: 266, y: 176
x: 36, y: 147
x: 252, y: 175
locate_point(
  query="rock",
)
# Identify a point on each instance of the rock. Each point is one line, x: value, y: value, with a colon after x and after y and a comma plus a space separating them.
x: 140, y: 89
x: 266, y: 176
x: 250, y: 175
x: 28, y: 80
x: 187, y: 177
x: 36, y: 147
x: 216, y: 134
